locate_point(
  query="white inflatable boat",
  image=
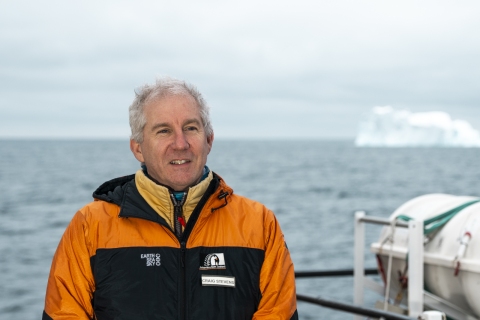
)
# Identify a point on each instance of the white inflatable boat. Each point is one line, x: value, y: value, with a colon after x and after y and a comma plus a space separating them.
x: 451, y: 251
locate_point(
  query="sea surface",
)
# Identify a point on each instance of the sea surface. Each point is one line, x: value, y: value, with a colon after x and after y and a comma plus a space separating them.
x: 314, y: 187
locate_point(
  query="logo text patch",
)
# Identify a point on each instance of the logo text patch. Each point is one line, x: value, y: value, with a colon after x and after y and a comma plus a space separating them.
x: 152, y: 259
x: 212, y: 261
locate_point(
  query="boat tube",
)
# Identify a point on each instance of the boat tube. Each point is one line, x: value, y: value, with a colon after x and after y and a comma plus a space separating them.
x: 451, y: 250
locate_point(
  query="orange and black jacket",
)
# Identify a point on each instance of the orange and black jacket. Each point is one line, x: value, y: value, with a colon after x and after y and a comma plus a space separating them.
x: 119, y: 259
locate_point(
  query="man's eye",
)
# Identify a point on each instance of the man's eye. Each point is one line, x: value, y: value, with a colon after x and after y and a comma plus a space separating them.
x: 191, y: 128
x: 162, y: 131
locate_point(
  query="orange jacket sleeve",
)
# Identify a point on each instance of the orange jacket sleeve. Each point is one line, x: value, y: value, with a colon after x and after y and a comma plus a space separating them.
x: 277, y: 278
x: 70, y: 284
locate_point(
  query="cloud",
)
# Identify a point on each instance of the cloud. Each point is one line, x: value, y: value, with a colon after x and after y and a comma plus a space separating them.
x: 60, y: 58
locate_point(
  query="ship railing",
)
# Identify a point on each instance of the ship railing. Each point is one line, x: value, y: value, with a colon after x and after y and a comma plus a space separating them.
x: 357, y: 310
x: 345, y: 307
x: 418, y: 298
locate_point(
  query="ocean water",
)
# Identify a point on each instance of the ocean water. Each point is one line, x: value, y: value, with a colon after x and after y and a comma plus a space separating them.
x: 314, y: 187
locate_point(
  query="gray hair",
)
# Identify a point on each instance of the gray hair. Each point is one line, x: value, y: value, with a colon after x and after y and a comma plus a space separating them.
x: 163, y: 87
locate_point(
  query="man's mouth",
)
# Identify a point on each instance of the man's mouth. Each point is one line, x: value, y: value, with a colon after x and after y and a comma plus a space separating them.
x: 179, y: 161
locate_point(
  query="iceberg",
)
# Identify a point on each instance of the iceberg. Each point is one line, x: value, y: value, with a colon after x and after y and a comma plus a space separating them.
x: 387, y: 127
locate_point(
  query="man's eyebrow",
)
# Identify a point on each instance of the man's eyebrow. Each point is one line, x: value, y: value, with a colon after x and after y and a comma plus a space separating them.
x: 164, y: 124
x: 190, y: 121
x: 159, y: 125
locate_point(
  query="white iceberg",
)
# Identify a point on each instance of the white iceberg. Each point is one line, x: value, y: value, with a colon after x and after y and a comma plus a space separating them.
x: 387, y: 127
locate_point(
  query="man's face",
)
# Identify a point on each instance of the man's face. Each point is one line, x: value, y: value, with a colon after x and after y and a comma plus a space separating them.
x: 175, y: 145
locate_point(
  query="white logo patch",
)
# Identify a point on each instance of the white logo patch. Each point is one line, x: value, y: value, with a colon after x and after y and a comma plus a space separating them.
x: 218, y: 281
x: 212, y: 261
x: 152, y: 259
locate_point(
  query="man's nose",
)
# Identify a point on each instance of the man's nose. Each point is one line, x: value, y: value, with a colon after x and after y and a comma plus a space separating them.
x: 180, y: 142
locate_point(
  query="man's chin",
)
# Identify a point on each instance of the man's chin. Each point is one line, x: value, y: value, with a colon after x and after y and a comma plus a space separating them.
x: 183, y: 185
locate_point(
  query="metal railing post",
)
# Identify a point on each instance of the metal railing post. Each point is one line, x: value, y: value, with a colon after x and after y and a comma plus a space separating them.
x: 415, y: 268
x: 359, y: 257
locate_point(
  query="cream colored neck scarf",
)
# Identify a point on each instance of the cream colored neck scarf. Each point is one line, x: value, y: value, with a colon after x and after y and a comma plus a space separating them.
x: 158, y: 197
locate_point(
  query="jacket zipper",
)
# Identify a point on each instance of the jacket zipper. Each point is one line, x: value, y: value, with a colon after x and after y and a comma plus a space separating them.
x: 177, y: 228
x: 183, y: 284
x: 178, y: 213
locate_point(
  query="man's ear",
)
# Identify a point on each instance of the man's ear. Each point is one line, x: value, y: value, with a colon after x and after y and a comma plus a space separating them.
x: 136, y: 150
x: 210, y: 142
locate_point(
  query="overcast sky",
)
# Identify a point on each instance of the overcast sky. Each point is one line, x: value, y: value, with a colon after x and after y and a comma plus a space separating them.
x: 268, y: 69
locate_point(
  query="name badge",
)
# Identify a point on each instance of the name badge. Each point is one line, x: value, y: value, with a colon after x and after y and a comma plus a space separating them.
x: 218, y: 281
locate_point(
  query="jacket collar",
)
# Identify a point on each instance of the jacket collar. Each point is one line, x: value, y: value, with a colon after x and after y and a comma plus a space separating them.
x: 124, y: 193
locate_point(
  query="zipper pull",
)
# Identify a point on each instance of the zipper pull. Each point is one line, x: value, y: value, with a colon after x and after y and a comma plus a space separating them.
x: 182, y: 221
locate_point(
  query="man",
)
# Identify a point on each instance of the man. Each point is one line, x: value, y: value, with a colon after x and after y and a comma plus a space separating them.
x: 171, y: 241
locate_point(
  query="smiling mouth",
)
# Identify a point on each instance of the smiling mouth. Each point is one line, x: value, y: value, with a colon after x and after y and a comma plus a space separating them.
x: 179, y: 161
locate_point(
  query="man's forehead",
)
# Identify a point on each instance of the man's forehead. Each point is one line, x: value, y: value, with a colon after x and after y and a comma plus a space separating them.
x: 154, y: 99
x: 156, y: 119
x: 163, y: 101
